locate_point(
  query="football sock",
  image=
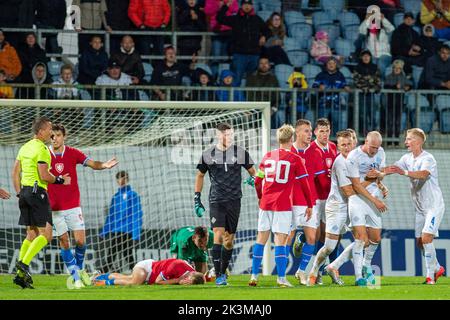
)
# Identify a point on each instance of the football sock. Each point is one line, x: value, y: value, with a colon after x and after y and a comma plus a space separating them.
x: 70, y: 262
x: 345, y: 256
x: 109, y: 282
x: 288, y: 252
x: 226, y: 257
x: 322, y: 255
x: 369, y: 253
x: 430, y: 259
x: 357, y: 253
x: 79, y: 255
x: 35, y: 246
x: 336, y: 252
x: 307, y: 253
x: 280, y: 260
x: 23, y: 250
x: 258, y: 252
x: 216, y: 253
x: 104, y: 276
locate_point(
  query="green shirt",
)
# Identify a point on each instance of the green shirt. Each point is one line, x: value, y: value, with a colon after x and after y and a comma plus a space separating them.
x: 29, y: 155
x: 181, y: 244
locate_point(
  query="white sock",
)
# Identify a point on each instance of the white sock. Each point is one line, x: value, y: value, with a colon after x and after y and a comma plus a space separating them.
x: 430, y: 259
x: 323, y: 253
x: 369, y: 252
x: 438, y: 266
x: 345, y: 256
x: 358, y: 257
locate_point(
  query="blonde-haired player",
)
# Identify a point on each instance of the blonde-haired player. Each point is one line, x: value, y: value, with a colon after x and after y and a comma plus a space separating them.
x: 421, y: 169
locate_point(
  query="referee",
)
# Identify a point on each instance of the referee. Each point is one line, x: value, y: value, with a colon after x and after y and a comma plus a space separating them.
x: 30, y: 178
x: 223, y: 162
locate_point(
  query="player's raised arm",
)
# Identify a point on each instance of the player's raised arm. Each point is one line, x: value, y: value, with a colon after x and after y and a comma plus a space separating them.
x: 99, y: 165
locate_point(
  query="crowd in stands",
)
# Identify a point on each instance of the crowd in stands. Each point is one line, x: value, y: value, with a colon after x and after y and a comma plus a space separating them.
x: 367, y: 45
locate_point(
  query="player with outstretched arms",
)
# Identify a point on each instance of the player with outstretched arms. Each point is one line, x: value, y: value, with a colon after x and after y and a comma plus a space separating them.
x: 421, y: 169
x: 65, y: 202
x: 278, y: 173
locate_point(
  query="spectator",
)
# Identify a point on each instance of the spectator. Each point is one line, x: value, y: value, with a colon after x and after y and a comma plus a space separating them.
x: 429, y: 43
x: 203, y: 80
x: 39, y: 76
x: 115, y: 77
x: 169, y: 73
x: 388, y: 7
x: 249, y: 34
x: 93, y: 61
x: 405, y: 43
x: 264, y: 78
x: 190, y: 18
x: 9, y: 60
x: 69, y: 91
x: 123, y: 225
x: 436, y: 74
x: 320, y: 50
x: 273, y: 47
x: 6, y: 92
x: 51, y: 14
x: 377, y: 37
x: 392, y: 111
x: 117, y: 19
x: 228, y: 80
x: 297, y: 80
x: 367, y: 78
x: 332, y: 104
x: 220, y: 44
x: 93, y: 16
x: 150, y: 15
x: 130, y: 60
x: 437, y: 12
x: 30, y: 53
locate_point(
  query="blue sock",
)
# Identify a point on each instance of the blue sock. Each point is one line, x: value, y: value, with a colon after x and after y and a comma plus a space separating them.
x: 307, y: 253
x: 319, y: 244
x: 79, y: 255
x: 288, y: 253
x: 102, y: 277
x: 70, y: 262
x: 280, y: 260
x: 258, y: 251
x: 336, y: 252
x: 109, y: 282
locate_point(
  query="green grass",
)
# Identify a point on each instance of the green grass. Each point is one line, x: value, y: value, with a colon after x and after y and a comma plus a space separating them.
x: 54, y: 287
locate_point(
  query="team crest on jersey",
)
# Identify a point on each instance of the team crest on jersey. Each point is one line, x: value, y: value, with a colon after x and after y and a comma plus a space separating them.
x: 59, y: 167
x: 329, y: 162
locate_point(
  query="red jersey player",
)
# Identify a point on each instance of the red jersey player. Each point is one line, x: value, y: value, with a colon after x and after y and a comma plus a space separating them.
x: 278, y: 172
x: 65, y: 202
x: 169, y: 271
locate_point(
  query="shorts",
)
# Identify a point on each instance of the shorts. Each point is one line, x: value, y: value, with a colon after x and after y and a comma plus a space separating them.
x: 65, y: 220
x: 336, y: 217
x: 321, y: 216
x: 362, y: 212
x: 225, y: 215
x: 147, y: 266
x: 429, y: 223
x: 34, y: 207
x: 300, y: 217
x: 275, y: 221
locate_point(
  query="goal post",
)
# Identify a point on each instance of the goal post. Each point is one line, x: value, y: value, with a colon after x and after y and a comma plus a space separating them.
x: 159, y: 145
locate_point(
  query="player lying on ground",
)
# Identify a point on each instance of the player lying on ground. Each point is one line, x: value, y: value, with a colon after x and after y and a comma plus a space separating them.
x: 169, y: 271
x: 421, y: 169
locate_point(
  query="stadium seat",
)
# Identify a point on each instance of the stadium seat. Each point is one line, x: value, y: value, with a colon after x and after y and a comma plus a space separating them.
x: 413, y: 6
x: 333, y: 32
x: 293, y: 44
x: 337, y: 5
x: 351, y: 32
x: 204, y: 66
x: 398, y: 19
x: 271, y: 5
x: 54, y: 68
x: 264, y: 14
x: 387, y: 71
x: 291, y: 17
x: 443, y: 106
x: 282, y: 72
x: 298, y: 58
x: 300, y: 31
x: 344, y: 47
x: 347, y: 74
x: 148, y: 70
x: 320, y: 18
x: 427, y: 115
x: 311, y: 71
x: 348, y: 19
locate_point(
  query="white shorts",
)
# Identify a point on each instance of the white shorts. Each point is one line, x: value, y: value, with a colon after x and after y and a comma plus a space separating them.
x: 430, y: 222
x: 300, y: 217
x: 362, y: 212
x: 147, y: 266
x: 336, y: 217
x: 276, y: 221
x: 321, y: 216
x: 65, y: 220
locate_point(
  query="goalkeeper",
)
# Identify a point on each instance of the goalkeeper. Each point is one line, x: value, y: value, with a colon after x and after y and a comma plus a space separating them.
x: 192, y: 244
x: 224, y: 162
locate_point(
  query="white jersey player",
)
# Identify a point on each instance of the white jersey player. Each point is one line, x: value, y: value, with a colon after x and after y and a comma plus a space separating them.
x: 421, y: 169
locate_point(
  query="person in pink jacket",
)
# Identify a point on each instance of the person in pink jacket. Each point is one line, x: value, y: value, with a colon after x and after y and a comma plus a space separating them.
x: 320, y: 50
x: 220, y: 43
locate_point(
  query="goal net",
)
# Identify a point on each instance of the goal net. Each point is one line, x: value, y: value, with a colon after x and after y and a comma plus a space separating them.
x: 159, y: 145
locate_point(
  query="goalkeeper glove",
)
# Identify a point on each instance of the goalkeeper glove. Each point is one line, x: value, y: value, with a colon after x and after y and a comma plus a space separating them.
x: 250, y: 181
x: 198, y: 206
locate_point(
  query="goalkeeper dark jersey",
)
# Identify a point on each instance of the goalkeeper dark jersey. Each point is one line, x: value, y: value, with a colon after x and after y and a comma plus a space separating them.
x: 224, y: 169
x: 181, y: 243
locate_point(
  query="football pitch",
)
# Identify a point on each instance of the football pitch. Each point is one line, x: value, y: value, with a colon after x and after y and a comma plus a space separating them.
x: 54, y: 288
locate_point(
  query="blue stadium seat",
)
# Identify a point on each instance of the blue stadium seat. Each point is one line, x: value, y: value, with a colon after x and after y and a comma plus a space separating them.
x: 54, y: 68
x: 348, y: 18
x: 443, y: 106
x: 333, y: 32
x: 398, y: 19
x: 387, y: 71
x: 311, y: 71
x: 300, y: 31
x: 298, y: 58
x: 148, y: 70
x: 427, y: 115
x: 282, y: 72
x: 344, y: 47
x: 293, y: 44
x: 204, y: 66
x: 351, y: 32
x: 347, y: 74
x: 271, y: 5
x: 321, y: 17
x: 413, y: 6
x: 337, y: 5
x: 264, y: 14
x: 291, y: 17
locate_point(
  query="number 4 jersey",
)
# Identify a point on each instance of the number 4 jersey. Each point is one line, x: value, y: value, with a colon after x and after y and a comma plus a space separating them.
x: 278, y: 172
